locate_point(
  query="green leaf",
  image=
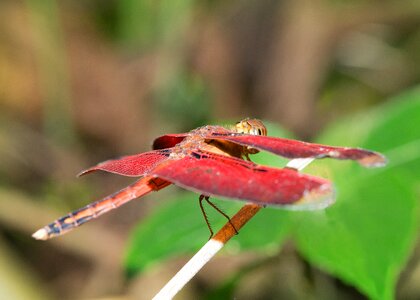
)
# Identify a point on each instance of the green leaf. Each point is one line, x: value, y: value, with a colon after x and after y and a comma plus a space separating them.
x: 172, y: 229
x: 366, y: 237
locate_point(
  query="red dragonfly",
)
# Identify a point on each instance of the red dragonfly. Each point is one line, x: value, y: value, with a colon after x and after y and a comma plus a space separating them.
x: 214, y: 161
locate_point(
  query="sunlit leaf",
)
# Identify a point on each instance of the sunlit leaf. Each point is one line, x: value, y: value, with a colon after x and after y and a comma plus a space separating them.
x: 366, y: 238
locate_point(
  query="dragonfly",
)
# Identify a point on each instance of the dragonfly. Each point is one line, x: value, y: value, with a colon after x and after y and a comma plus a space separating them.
x: 214, y: 161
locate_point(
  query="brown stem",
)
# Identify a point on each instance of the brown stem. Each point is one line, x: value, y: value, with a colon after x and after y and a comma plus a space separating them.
x: 238, y: 220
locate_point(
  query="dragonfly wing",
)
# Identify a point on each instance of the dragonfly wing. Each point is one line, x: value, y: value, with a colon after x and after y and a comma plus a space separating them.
x: 298, y: 149
x: 168, y: 140
x: 133, y: 165
x: 218, y: 175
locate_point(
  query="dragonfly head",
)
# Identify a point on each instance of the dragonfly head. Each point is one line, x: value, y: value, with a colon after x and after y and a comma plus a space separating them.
x: 251, y: 126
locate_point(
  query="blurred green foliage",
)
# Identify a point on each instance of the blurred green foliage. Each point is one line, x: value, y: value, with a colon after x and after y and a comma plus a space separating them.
x: 148, y: 23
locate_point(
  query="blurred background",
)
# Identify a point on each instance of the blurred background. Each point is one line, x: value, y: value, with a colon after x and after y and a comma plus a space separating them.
x: 81, y: 82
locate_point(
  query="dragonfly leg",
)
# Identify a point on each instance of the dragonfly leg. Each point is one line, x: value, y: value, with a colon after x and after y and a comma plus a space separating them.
x: 200, y: 200
x: 202, y: 197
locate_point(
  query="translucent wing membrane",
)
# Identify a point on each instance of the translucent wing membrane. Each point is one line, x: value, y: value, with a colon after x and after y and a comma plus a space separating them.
x: 76, y: 218
x: 133, y: 165
x: 298, y: 149
x: 218, y: 175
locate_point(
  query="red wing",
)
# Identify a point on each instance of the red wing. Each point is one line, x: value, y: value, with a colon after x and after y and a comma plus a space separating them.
x: 168, y: 140
x: 218, y: 175
x: 298, y: 149
x: 133, y: 165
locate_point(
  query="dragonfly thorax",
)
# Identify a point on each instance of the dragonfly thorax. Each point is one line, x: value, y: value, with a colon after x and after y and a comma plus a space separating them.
x: 246, y: 126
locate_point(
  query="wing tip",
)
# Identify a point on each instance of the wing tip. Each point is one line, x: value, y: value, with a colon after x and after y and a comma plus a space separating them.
x: 84, y: 172
x: 373, y: 160
x: 41, y: 234
x: 316, y: 199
